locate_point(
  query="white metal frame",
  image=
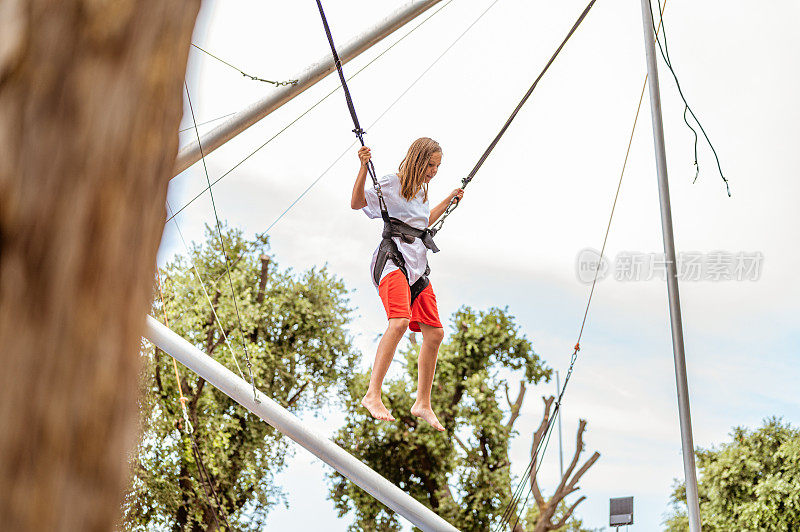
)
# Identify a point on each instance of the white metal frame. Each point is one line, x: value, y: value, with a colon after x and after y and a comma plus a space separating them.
x: 287, y: 423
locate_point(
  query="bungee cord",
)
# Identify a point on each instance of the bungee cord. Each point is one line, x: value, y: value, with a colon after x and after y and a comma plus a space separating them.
x: 465, y: 181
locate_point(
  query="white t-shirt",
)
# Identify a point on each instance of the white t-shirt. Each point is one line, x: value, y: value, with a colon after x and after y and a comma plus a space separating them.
x: 415, y: 213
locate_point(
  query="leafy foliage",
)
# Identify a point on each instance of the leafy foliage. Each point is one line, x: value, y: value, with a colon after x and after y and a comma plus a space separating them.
x: 293, y: 328
x: 750, y: 483
x: 463, y: 474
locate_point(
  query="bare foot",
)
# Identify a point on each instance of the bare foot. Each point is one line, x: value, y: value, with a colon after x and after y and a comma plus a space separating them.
x: 376, y: 408
x: 427, y: 414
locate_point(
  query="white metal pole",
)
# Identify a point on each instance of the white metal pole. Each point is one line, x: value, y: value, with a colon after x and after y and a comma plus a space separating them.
x: 190, y: 153
x: 280, y: 418
x: 679, y: 356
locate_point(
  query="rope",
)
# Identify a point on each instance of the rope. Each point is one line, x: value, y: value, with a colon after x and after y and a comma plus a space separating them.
x: 557, y: 410
x: 224, y: 251
x: 190, y: 430
x: 665, y: 55
x: 465, y: 181
x: 304, y: 113
x: 245, y: 74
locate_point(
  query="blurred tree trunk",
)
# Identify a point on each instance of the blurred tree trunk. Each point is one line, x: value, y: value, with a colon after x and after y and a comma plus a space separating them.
x: 90, y: 104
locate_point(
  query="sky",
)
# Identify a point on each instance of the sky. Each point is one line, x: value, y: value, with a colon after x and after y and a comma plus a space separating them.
x: 541, y: 199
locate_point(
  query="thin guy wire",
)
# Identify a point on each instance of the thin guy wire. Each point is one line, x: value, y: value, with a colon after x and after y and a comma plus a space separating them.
x: 189, y: 428
x: 602, y: 251
x: 208, y: 298
x: 290, y: 124
x: 245, y: 74
x: 385, y: 111
x: 224, y: 252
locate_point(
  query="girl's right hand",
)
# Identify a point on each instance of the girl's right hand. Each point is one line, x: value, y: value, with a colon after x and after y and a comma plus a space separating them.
x: 365, y: 155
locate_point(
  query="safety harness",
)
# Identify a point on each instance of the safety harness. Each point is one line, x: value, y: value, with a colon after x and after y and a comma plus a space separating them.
x: 388, y: 250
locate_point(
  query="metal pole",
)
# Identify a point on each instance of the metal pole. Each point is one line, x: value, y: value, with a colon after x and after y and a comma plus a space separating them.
x: 672, y: 275
x: 190, y: 153
x: 560, y: 447
x: 280, y: 418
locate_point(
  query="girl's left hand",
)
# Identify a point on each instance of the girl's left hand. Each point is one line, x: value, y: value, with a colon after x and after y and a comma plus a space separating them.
x: 457, y: 194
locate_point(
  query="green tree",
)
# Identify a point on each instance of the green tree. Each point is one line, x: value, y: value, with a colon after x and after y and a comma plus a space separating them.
x: 464, y: 473
x: 293, y: 328
x: 750, y: 483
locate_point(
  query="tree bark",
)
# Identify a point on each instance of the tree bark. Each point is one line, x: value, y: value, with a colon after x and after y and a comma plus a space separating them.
x: 90, y: 105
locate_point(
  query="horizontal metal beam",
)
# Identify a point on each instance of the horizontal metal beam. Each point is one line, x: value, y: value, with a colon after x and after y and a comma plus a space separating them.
x: 190, y: 153
x: 280, y: 418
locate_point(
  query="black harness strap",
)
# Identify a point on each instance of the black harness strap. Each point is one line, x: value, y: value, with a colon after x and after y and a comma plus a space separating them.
x: 388, y: 251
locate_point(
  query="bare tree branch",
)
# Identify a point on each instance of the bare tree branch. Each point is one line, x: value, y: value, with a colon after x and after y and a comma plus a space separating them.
x: 568, y: 484
x: 461, y: 443
x: 575, y: 457
x: 515, y: 406
x: 537, y: 438
x: 568, y: 514
x: 293, y: 399
x: 583, y: 470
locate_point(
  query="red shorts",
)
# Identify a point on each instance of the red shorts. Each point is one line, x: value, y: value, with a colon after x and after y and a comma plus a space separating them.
x: 396, y: 296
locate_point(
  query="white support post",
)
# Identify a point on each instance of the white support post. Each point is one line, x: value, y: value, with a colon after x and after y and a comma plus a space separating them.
x: 280, y: 418
x: 679, y: 356
x: 190, y: 153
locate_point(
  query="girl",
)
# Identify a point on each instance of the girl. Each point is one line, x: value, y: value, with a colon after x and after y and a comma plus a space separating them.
x: 406, y: 197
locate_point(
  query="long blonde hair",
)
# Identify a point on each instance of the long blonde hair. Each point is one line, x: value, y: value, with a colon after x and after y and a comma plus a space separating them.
x: 412, y: 169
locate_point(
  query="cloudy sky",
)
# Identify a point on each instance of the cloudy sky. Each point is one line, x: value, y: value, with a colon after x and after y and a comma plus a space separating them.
x: 542, y: 197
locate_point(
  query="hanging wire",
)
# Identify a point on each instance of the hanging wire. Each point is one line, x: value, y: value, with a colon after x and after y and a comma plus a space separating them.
x: 245, y: 74
x: 224, y: 252
x: 665, y: 55
x: 205, y: 482
x: 314, y: 106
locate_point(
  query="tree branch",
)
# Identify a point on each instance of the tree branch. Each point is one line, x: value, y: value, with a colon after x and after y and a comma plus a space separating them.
x: 461, y: 443
x: 583, y: 470
x: 516, y: 406
x: 537, y: 438
x: 575, y: 457
x: 262, y: 280
x: 262, y: 284
x: 291, y: 401
x: 568, y: 513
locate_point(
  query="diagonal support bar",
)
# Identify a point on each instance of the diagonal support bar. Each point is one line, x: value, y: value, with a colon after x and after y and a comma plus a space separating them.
x: 190, y: 153
x: 280, y: 418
